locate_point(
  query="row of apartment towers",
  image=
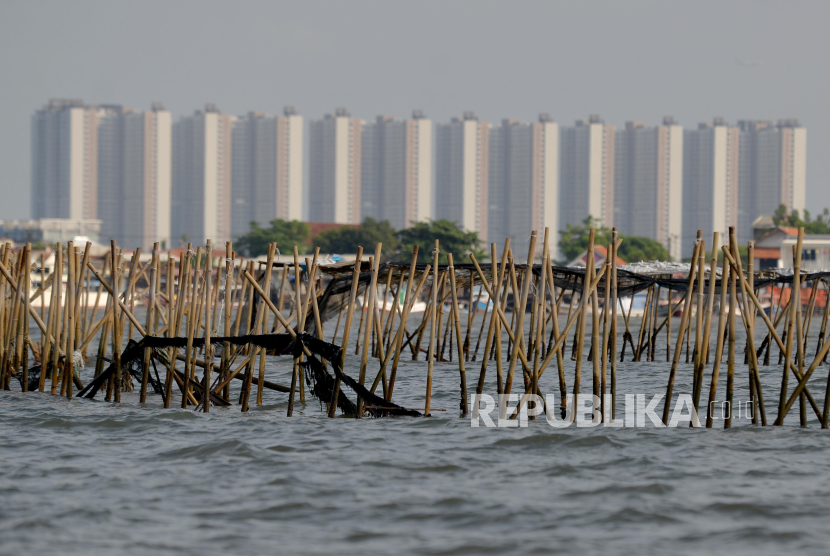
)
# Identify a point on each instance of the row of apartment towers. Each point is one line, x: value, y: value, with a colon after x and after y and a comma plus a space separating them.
x: 211, y: 174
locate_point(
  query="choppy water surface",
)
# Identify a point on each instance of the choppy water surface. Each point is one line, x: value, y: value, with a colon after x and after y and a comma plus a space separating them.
x: 90, y: 477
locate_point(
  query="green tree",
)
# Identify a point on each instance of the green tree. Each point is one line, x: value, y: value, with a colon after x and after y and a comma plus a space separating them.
x: 573, y: 241
x: 821, y: 225
x: 634, y: 249
x: 347, y: 239
x: 451, y: 239
x: 285, y: 234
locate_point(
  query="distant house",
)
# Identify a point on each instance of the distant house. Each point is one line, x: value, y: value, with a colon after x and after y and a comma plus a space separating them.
x: 815, y: 252
x: 768, y: 248
x: 600, y: 254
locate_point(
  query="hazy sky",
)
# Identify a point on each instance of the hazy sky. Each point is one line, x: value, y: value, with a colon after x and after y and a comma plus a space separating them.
x: 623, y: 60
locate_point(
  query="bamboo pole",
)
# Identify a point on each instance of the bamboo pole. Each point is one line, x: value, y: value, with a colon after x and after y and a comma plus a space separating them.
x: 795, y: 299
x: 27, y: 285
x: 497, y: 278
x: 208, y: 315
x: 713, y: 387
x: 518, y: 311
x: 409, y: 300
x: 264, y: 324
x: 458, y: 340
x: 749, y: 324
x: 801, y: 378
x: 192, y: 325
x: 370, y: 306
x: 345, y: 342
x: 151, y: 307
x: 432, y: 329
x: 730, y: 362
x: 701, y: 363
x: 50, y: 323
x: 296, y: 370
x: 684, y: 322
x: 583, y: 314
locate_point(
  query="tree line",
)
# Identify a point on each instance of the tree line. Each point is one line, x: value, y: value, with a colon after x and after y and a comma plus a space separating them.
x: 398, y: 244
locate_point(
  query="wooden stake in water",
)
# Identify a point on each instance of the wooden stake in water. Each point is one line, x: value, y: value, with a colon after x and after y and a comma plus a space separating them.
x: 458, y: 340
x: 346, y: 328
x: 432, y: 329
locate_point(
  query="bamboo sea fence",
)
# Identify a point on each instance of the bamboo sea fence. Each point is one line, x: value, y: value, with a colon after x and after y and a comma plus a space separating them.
x: 212, y: 320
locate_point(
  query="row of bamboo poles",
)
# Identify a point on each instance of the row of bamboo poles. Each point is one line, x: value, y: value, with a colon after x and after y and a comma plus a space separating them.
x: 195, y: 297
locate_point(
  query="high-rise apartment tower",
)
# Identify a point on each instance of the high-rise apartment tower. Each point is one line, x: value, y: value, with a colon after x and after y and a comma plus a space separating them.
x: 524, y: 182
x: 462, y: 173
x: 710, y: 181
x: 65, y: 160
x: 648, y: 183
x: 267, y: 169
x: 134, y: 175
x: 202, y: 177
x: 772, y: 171
x: 397, y: 170
x: 335, y: 168
x: 586, y: 172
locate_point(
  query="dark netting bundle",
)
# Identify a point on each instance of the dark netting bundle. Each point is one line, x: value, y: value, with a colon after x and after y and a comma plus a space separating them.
x: 320, y: 381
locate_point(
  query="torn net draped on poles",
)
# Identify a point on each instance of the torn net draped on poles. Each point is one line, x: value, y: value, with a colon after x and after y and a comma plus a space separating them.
x: 631, y: 279
x: 320, y: 382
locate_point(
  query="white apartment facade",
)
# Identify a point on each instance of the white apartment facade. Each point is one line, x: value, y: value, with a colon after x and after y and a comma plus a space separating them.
x: 135, y: 175
x: 335, y: 168
x: 710, y: 181
x: 648, y: 183
x: 202, y: 151
x: 586, y: 177
x: 65, y: 160
x: 524, y: 181
x: 462, y: 173
x: 267, y: 169
x: 772, y: 170
x: 397, y: 170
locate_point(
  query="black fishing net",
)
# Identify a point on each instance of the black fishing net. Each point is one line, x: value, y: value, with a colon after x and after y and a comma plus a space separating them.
x: 320, y: 382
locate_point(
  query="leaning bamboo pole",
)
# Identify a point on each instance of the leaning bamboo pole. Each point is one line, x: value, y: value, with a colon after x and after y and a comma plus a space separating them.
x: 684, y: 322
x: 458, y: 340
x: 346, y: 328
x: 432, y: 329
x: 795, y: 300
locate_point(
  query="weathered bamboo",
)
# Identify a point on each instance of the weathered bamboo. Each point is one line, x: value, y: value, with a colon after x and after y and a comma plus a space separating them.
x: 605, y: 329
x: 192, y: 318
x: 371, y: 298
x: 432, y: 328
x: 756, y: 393
x: 458, y: 340
x: 409, y: 299
x: 208, y: 317
x: 50, y: 323
x: 519, y: 311
x: 27, y: 286
x: 795, y: 300
x: 345, y: 342
x: 801, y: 378
x: 151, y: 307
x: 730, y: 362
x: 583, y: 314
x: 713, y: 387
x: 263, y: 327
x: 707, y: 327
x: 228, y: 306
x: 296, y: 369
x: 684, y: 322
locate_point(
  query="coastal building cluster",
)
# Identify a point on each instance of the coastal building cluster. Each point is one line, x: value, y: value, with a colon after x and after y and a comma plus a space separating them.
x: 149, y: 178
